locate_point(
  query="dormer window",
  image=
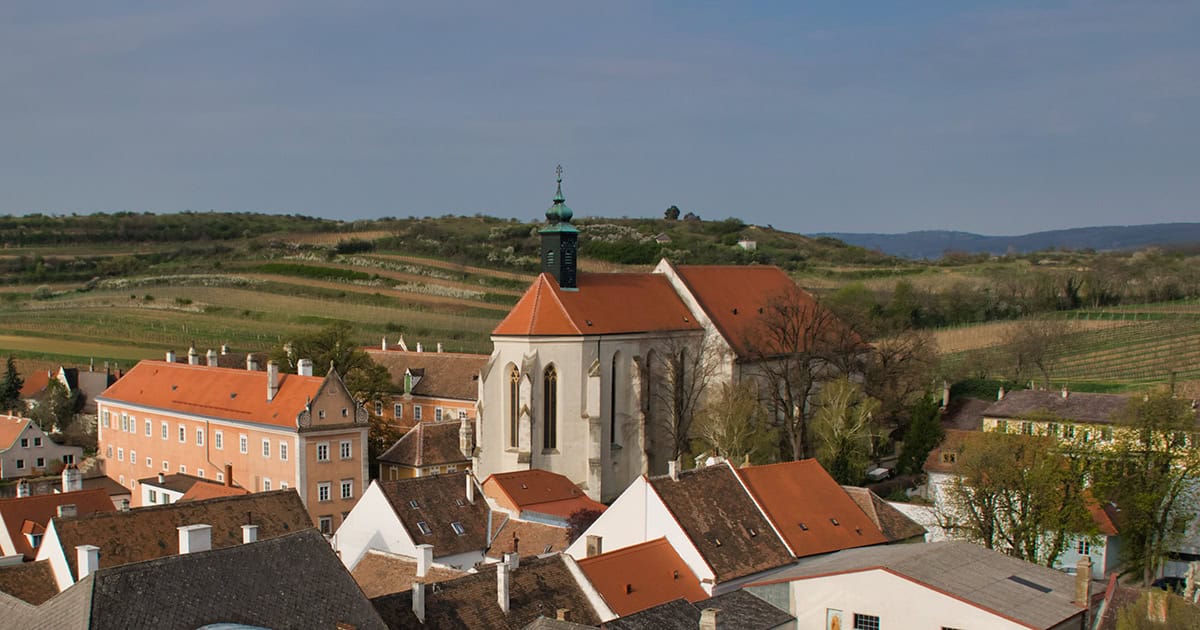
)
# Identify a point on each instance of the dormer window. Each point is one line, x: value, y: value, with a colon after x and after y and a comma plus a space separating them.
x: 413, y: 504
x: 834, y: 521
x: 458, y: 528
x: 459, y: 502
x: 424, y: 527
x: 803, y: 527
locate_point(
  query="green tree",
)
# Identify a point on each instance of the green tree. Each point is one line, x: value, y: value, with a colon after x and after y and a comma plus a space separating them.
x: 10, y: 387
x: 1023, y: 495
x: 924, y: 433
x: 734, y: 424
x: 844, y: 427
x: 55, y: 410
x: 1151, y: 473
x: 672, y: 213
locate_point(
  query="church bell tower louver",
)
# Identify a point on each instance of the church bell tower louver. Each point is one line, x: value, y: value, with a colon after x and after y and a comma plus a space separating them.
x: 560, y: 241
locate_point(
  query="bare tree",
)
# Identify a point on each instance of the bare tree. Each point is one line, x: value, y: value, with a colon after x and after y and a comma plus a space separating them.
x: 797, y: 344
x: 898, y: 373
x: 1036, y: 344
x: 682, y: 367
x: 734, y: 423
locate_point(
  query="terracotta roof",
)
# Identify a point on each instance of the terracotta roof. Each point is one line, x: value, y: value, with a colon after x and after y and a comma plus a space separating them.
x: 379, y: 573
x: 202, y: 491
x: 893, y: 523
x: 604, y: 304
x: 538, y: 588
x: 528, y: 539
x: 441, y: 501
x: 40, y: 508
x: 427, y: 444
x: 722, y: 521
x: 444, y: 374
x: 150, y: 532
x: 641, y: 576
x: 216, y: 392
x: 1104, y: 515
x: 538, y: 491
x: 32, y: 582
x: 10, y: 429
x: 1076, y: 407
x: 811, y: 511
x: 35, y: 382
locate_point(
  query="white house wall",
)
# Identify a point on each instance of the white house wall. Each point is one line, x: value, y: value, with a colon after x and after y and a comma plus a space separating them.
x: 51, y: 549
x: 372, y: 524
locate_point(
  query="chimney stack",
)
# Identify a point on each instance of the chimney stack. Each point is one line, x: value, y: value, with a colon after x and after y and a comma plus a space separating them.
x: 251, y: 364
x: 249, y: 534
x: 418, y: 599
x: 193, y: 538
x: 673, y: 469
x: 67, y: 511
x: 708, y: 618
x: 87, y: 559
x: 224, y: 348
x: 229, y: 475
x: 502, y: 586
x: 304, y: 367
x: 439, y: 346
x: 1000, y: 393
x: 466, y: 438
x: 420, y: 348
x: 424, y: 560
x: 470, y: 488
x: 170, y: 356
x: 193, y: 356
x: 595, y: 545
x: 562, y: 614
x: 162, y: 478
x: 272, y: 380
x: 211, y: 356
x: 23, y: 489
x: 383, y: 346
x: 72, y: 479
x: 1083, y: 581
x: 513, y: 560
x: 945, y: 395
x: 1064, y: 392
x: 403, y: 346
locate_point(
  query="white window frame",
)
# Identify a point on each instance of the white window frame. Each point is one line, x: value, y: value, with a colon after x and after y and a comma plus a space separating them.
x: 219, y: 440
x: 183, y: 434
x: 165, y: 430
x: 132, y: 456
x: 325, y: 490
x: 437, y: 414
x: 322, y: 451
x: 149, y: 462
x: 183, y: 469
x: 266, y: 484
x: 283, y: 451
x: 199, y: 437
x: 347, y: 488
x: 398, y: 411
x: 120, y: 454
x: 346, y: 449
x: 266, y: 448
x: 417, y: 413
x: 243, y: 443
x: 149, y: 427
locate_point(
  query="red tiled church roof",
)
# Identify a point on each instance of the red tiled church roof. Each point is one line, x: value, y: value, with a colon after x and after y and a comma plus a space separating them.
x: 605, y: 303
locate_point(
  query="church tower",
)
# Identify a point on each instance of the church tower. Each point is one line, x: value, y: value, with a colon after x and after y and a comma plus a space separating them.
x: 560, y: 241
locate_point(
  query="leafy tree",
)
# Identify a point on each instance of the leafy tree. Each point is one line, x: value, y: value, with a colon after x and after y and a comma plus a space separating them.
x: 1023, y: 495
x: 924, y: 433
x: 844, y: 427
x: 55, y: 410
x: 331, y: 346
x: 1151, y: 473
x: 672, y: 213
x: 10, y: 387
x: 734, y: 424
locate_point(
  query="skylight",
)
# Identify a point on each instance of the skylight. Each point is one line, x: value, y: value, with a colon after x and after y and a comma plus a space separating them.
x: 424, y: 527
x: 458, y: 528
x: 1033, y: 585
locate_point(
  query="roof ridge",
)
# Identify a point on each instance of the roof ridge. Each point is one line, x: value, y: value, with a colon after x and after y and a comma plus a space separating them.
x: 623, y: 551
x: 562, y: 308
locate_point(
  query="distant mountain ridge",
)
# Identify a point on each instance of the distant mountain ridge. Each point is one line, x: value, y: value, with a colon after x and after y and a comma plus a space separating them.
x: 934, y: 243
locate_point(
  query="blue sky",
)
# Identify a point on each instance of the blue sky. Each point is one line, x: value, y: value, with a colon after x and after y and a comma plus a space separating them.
x: 993, y: 117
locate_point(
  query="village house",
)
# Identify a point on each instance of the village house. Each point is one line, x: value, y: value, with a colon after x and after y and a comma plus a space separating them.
x: 23, y: 520
x: 276, y: 431
x: 637, y: 577
x: 1064, y: 415
x: 428, y: 448
x: 932, y: 585
x: 26, y: 450
x: 574, y: 383
x: 166, y: 488
x: 77, y: 546
x: 434, y: 386
x: 537, y: 495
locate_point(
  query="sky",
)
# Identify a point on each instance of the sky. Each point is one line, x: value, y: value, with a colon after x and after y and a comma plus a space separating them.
x: 991, y: 117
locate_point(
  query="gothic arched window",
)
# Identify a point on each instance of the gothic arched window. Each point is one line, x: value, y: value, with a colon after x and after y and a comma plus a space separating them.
x: 550, y: 408
x: 514, y: 405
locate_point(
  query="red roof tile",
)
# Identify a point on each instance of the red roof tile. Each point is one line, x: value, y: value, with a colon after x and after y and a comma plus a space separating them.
x: 10, y: 429
x: 527, y: 538
x: 39, y: 509
x: 213, y: 391
x: 605, y: 303
x: 202, y: 491
x: 538, y: 491
x: 811, y: 511
x: 34, y: 383
x: 642, y: 576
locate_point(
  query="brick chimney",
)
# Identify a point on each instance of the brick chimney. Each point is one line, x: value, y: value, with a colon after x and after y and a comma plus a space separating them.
x: 229, y: 475
x: 272, y: 380
x: 162, y: 478
x: 193, y: 538
x: 594, y: 546
x: 1083, y: 581
x: 249, y: 534
x: 424, y: 560
x: 502, y: 586
x: 87, y: 559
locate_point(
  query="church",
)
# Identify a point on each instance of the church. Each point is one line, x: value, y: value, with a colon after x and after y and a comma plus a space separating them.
x: 571, y: 384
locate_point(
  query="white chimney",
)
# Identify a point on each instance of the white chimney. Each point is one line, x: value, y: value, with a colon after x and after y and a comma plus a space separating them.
x: 87, y: 560
x: 272, y: 379
x: 424, y: 560
x: 251, y: 364
x: 162, y: 478
x: 383, y: 346
x: 212, y: 358
x: 418, y: 599
x: 470, y: 488
x: 595, y: 545
x: 249, y: 533
x: 1064, y: 392
x: 439, y: 346
x: 193, y: 538
x: 708, y: 618
x: 502, y: 585
x: 673, y: 469
x: 403, y: 346
x: 224, y: 348
x: 23, y: 489
x: 513, y: 560
x: 420, y: 348
x: 193, y: 356
x: 1000, y: 393
x: 72, y: 479
x: 67, y: 511
x: 170, y: 356
x: 304, y: 367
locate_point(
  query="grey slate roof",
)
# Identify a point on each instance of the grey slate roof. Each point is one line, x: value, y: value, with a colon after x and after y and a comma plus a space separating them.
x: 1076, y: 407
x: 738, y: 610
x: 291, y: 581
x: 963, y: 570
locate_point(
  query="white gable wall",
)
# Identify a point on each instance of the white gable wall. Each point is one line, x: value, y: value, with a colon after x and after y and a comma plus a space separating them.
x: 51, y: 549
x: 372, y: 524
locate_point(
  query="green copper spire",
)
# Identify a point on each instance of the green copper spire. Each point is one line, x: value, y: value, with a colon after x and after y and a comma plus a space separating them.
x: 559, y: 215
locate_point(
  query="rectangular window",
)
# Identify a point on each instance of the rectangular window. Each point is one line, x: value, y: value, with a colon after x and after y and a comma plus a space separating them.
x: 323, y: 491
x: 183, y: 468
x: 266, y: 448
x: 110, y: 451
x: 323, y: 452
x: 166, y: 465
x: 424, y: 527
x: 345, y: 450
x: 243, y: 444
x: 378, y: 408
x: 149, y: 462
x: 125, y: 423
x: 41, y: 461
x: 200, y: 473
x: 182, y: 434
x: 164, y: 430
x: 37, y: 441
x: 398, y: 411
x: 153, y: 496
x: 283, y: 451
x: 1002, y: 427
x: 68, y: 459
x: 21, y: 463
x: 283, y: 485
x: 1069, y: 431
x: 266, y: 484
x: 220, y: 477
x: 1083, y: 546
x: 416, y: 412
x: 458, y: 528
x: 199, y: 437
x: 120, y: 454
x: 1027, y: 428
x: 1107, y: 434
x: 219, y: 440
x: 132, y: 456
x: 149, y: 428
x: 347, y: 488
x: 326, y: 524
x: 24, y: 442
x: 866, y: 622
x: 437, y: 414
x: 462, y: 414
x: 105, y: 417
